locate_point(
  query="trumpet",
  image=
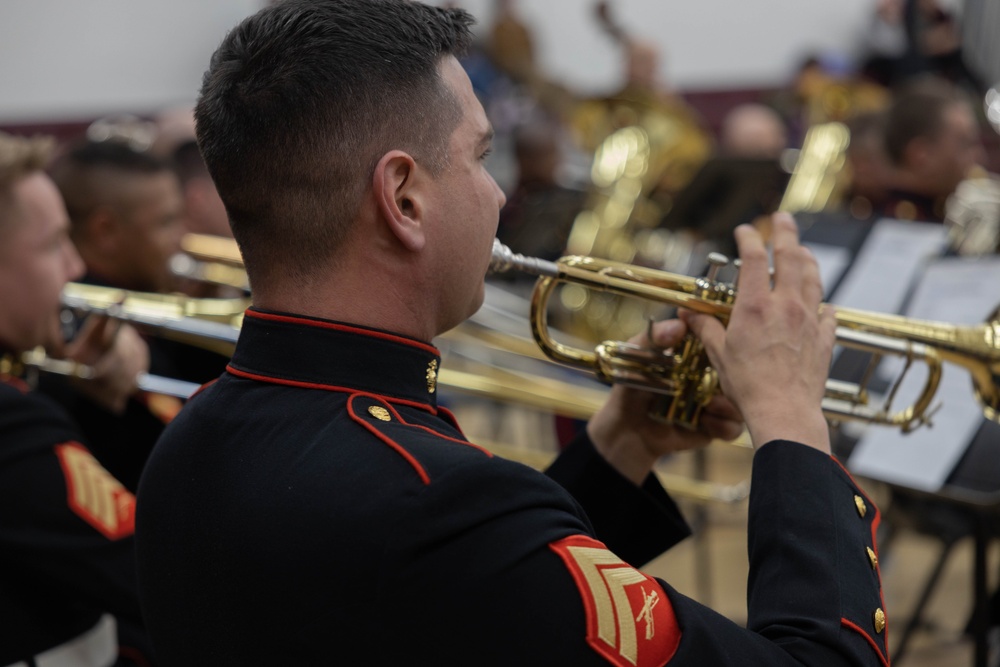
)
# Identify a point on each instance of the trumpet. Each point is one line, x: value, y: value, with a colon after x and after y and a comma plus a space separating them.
x: 688, y: 383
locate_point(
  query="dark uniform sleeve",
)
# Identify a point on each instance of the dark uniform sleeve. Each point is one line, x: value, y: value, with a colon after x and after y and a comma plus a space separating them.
x: 637, y: 523
x: 66, y: 530
x: 516, y: 577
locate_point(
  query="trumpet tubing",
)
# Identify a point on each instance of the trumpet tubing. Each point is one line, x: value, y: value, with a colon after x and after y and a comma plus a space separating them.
x: 687, y: 381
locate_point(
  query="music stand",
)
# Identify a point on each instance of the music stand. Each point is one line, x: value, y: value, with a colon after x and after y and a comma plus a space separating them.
x: 726, y: 192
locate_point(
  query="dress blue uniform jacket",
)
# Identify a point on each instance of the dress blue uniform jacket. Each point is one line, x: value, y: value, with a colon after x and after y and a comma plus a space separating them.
x: 66, y: 535
x: 315, y: 506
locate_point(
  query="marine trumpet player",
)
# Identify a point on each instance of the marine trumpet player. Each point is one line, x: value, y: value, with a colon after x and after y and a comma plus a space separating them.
x: 316, y: 504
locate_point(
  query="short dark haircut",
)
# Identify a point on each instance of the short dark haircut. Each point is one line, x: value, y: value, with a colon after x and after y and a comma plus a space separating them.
x: 82, y: 173
x: 917, y: 111
x: 300, y: 102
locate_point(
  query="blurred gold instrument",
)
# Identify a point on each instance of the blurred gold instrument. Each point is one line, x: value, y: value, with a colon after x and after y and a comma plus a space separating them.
x: 816, y: 180
x: 211, y: 324
x: 688, y: 382
x: 215, y: 260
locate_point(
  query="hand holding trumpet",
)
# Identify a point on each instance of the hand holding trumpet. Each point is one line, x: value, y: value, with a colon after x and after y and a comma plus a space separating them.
x: 773, y: 357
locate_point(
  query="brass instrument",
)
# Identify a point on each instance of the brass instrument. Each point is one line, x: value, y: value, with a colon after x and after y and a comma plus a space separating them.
x: 38, y: 361
x: 816, y: 178
x: 972, y: 216
x: 211, y: 259
x: 211, y: 324
x: 214, y: 324
x: 687, y: 381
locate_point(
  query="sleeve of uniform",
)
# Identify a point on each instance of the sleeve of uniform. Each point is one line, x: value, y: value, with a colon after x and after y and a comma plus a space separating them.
x: 63, y: 518
x: 516, y: 578
x: 808, y: 516
x: 637, y: 523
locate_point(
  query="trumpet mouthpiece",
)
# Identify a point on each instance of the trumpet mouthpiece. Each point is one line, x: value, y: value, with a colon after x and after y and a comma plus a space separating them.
x: 504, y: 259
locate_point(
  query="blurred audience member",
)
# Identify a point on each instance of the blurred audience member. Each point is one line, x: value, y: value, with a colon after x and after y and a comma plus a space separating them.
x: 539, y: 213
x: 908, y: 39
x: 932, y: 139
x: 753, y: 131
x: 510, y: 43
x: 870, y: 173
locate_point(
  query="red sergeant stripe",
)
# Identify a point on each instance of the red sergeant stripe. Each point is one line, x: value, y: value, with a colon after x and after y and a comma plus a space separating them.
x: 388, y: 441
x: 343, y: 327
x: 851, y: 625
x: 325, y: 387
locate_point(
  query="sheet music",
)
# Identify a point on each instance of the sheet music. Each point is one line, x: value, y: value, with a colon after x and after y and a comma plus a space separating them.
x: 832, y: 260
x: 887, y: 264
x: 957, y: 291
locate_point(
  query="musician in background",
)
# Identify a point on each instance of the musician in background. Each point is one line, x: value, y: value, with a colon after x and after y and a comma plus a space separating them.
x: 126, y: 221
x: 317, y: 505
x: 871, y: 174
x: 126, y: 211
x: 66, y: 525
x: 753, y: 131
x: 932, y: 139
x: 540, y: 211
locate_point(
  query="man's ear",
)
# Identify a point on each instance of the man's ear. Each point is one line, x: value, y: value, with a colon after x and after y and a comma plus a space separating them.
x: 397, y: 191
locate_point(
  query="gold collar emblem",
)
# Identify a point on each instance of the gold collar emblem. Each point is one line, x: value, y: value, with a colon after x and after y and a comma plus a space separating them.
x: 432, y: 376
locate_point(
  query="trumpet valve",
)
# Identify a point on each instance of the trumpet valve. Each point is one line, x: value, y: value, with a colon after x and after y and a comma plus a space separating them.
x: 716, y: 261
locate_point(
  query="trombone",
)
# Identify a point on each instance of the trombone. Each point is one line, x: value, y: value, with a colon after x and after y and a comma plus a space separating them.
x: 688, y: 382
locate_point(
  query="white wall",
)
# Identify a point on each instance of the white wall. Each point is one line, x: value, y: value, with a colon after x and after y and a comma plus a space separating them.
x: 68, y: 59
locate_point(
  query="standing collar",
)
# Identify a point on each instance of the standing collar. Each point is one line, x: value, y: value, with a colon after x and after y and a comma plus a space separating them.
x: 309, y: 352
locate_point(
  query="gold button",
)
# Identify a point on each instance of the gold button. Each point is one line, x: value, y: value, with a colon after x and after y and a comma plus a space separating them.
x: 879, y: 621
x: 862, y: 508
x: 872, y: 557
x: 380, y: 413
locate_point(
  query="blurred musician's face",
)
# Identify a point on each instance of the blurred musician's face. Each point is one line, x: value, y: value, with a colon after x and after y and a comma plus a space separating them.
x: 37, y: 259
x: 149, y: 233
x: 957, y: 148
